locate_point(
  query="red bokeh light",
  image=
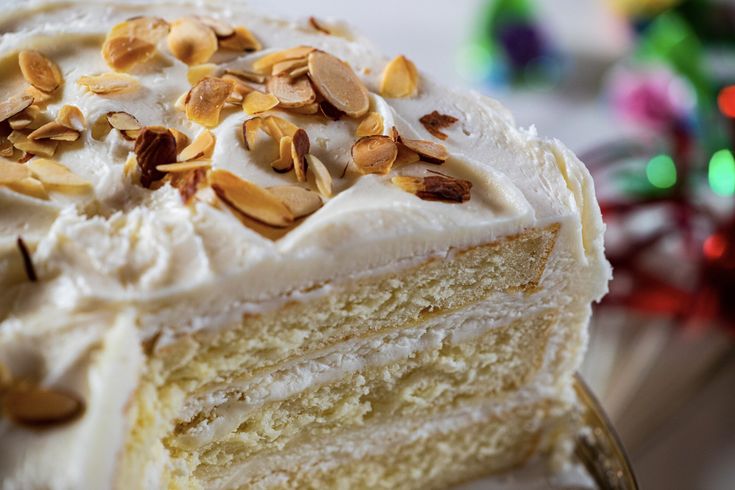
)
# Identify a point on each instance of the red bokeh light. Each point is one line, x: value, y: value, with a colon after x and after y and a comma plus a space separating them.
x: 726, y: 101
x: 714, y: 247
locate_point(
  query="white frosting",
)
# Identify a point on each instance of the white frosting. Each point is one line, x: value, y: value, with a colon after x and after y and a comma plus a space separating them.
x: 150, y: 263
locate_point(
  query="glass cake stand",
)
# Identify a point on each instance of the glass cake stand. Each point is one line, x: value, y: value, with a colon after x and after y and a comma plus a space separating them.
x: 600, y: 460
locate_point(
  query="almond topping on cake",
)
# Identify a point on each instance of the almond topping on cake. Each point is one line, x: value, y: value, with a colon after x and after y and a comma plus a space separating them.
x: 54, y: 131
x: 247, y: 76
x: 435, y: 122
x: 291, y: 93
x: 123, y: 53
x: 184, y: 166
x: 154, y: 146
x: 182, y: 140
x: 206, y: 99
x: 39, y: 71
x: 201, y: 147
x: 277, y: 127
x: 26, y: 117
x: 256, y: 102
x: 250, y: 128
x: 14, y: 105
x: 196, y: 73
x: 265, y: 64
x: 313, y: 22
x: 221, y: 28
x: 188, y: 183
x: 338, y: 84
x: 406, y: 156
x: 428, y: 151
x: 44, y: 148
x: 400, y: 79
x: 11, y: 172
x: 192, y: 41
x: 56, y: 176
x: 374, y: 154
x: 299, y: 200
x: 149, y: 29
x: 284, y: 162
x: 126, y: 123
x: 322, y: 176
x: 436, y: 188
x: 40, y: 407
x: 240, y: 40
x: 299, y: 149
x: 110, y: 83
x: 72, y: 117
x: 372, y: 125
x: 250, y: 199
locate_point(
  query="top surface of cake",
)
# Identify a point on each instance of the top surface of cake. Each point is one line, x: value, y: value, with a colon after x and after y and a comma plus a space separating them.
x: 106, y: 244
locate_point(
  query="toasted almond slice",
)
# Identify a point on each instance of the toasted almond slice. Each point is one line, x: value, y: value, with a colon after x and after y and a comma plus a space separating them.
x: 221, y: 28
x: 30, y: 187
x: 286, y: 67
x: 235, y: 98
x: 284, y: 162
x: 184, y: 166
x: 265, y: 64
x: 201, y: 146
x: 238, y: 85
x: 277, y: 127
x: 245, y: 75
x: 241, y: 40
x: 300, y: 201
x: 130, y: 167
x: 153, y: 147
x: 435, y: 121
x: 14, y: 105
x: 250, y: 130
x: 55, y: 131
x: 298, y: 72
x: 72, y: 117
x: 100, y: 127
x: 436, y: 188
x: 182, y: 140
x: 406, y: 156
x: 313, y: 22
x: 321, y: 175
x: 308, y: 110
x: 150, y: 29
x: 110, y: 83
x: 45, y: 148
x: 123, y: 53
x: 25, y: 118
x: 198, y: 72
x: 372, y: 125
x: 336, y: 82
x: 13, y: 172
x: 206, y: 99
x: 131, y: 134
x: 299, y: 149
x: 6, y: 148
x: 428, y: 150
x: 41, y: 407
x: 55, y: 175
x: 189, y: 183
x: 250, y: 199
x: 292, y: 93
x: 374, y: 154
x: 192, y: 41
x: 180, y: 103
x: 400, y: 78
x: 39, y: 71
x: 123, y: 121
x: 256, y: 102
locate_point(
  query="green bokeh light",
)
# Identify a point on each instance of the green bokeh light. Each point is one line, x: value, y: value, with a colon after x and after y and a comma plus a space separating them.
x: 721, y: 173
x: 474, y: 62
x: 661, y: 171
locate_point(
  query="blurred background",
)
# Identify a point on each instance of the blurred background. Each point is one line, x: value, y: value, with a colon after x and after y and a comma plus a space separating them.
x: 644, y: 92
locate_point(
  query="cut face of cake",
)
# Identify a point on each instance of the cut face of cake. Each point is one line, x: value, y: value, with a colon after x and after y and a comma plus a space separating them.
x: 240, y: 252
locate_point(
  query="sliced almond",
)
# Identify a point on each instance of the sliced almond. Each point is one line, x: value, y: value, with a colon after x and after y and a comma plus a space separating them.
x: 436, y: 188
x: 250, y: 130
x: 55, y: 175
x: 299, y: 149
x: 44, y: 148
x: 299, y: 72
x: 434, y: 122
x: 198, y: 72
x: 277, y: 127
x: 284, y: 162
x: 400, y: 78
x: 292, y: 93
x: 14, y: 105
x: 123, y: 121
x: 180, y: 103
x: 374, y: 154
x: 39, y: 71
x: 338, y: 84
x: 245, y: 75
x: 40, y: 98
x: 25, y: 118
x: 250, y: 199
x: 188, y: 183
x: 6, y: 148
x: 123, y: 53
x: 265, y: 64
x: 110, y: 83
x: 150, y: 29
x: 300, y: 201
x: 13, y: 172
x: 307, y: 110
x: 239, y: 87
x: 221, y: 28
x: 100, y: 127
x: 201, y: 147
x: 154, y: 146
x: 406, y: 156
x: 41, y: 407
x: 428, y: 150
x: 184, y: 166
x: 72, y: 117
x: 55, y: 131
x: 256, y: 102
x: 286, y: 67
x: 372, y: 125
x: 322, y: 176
x: 313, y: 22
x: 182, y: 140
x: 30, y: 187
x: 241, y: 40
x: 191, y: 41
x: 206, y: 99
